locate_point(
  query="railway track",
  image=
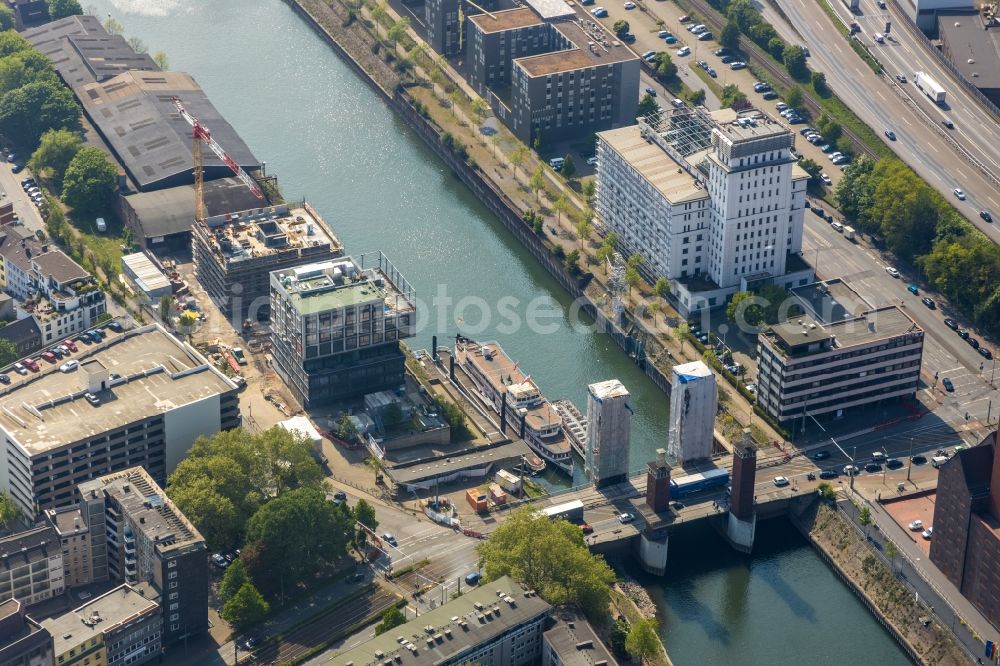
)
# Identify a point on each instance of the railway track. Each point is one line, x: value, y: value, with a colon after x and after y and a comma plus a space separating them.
x: 712, y: 17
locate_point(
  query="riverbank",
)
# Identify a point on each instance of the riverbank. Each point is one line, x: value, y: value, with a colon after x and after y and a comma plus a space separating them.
x: 847, y: 553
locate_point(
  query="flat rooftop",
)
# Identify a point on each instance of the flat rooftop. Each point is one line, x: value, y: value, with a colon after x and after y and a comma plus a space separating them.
x: 751, y: 125
x: 509, y: 19
x: 267, y: 231
x: 110, y: 610
x: 576, y: 643
x: 149, y: 507
x: 551, y: 9
x: 880, y: 324
x: 343, y: 283
x: 47, y: 410
x: 470, y: 459
x: 611, y: 388
x: 441, y: 635
x: 831, y: 301
x: 595, y: 46
x: 972, y: 47
x: 653, y: 164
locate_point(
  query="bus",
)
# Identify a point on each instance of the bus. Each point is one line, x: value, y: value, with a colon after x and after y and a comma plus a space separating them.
x: 571, y: 511
x: 695, y: 483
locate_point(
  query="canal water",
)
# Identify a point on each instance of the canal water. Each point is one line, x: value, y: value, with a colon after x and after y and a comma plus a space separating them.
x: 330, y: 140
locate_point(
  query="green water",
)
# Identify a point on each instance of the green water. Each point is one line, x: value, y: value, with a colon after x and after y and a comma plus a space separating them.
x: 329, y: 139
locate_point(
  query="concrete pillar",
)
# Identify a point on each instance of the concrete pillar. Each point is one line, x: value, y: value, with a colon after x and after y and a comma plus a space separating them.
x: 741, y: 532
x: 451, y: 367
x: 653, y: 553
x: 434, y: 348
x: 744, y: 478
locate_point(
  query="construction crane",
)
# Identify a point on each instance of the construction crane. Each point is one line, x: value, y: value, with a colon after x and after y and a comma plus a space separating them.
x: 201, y: 134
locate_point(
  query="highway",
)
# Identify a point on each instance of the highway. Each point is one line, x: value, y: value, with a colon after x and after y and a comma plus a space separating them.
x: 922, y: 141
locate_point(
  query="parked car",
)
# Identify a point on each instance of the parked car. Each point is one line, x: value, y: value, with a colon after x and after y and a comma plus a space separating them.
x: 651, y: 91
x: 985, y: 353
x: 92, y: 399
x: 828, y: 474
x: 69, y: 366
x: 972, y: 342
x: 821, y: 455
x: 928, y: 302
x: 948, y: 385
x: 629, y: 5
x: 684, y: 51
x: 770, y: 94
x: 826, y: 179
x: 850, y: 470
x: 893, y: 463
x: 219, y: 561
x: 739, y: 64
x: 873, y: 467
x: 20, y: 369
x: 390, y: 539
x: 917, y: 525
x: 928, y: 533
x: 472, y: 578
x: 918, y: 460
x: 780, y: 481
x: 625, y: 518
x: 951, y: 323
x: 962, y: 333
x: 4, y: 379
x: 49, y: 356
x: 31, y: 364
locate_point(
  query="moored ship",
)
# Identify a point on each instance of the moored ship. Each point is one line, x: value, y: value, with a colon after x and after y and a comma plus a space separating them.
x: 496, y: 375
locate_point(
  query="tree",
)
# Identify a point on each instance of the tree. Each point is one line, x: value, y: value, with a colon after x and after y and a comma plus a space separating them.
x: 662, y: 287
x: 856, y: 190
x: 730, y: 36
x: 364, y: 513
x: 635, y: 260
x: 891, y: 552
x: 743, y: 14
x: 8, y: 352
x: 845, y: 145
x: 233, y: 580
x: 162, y: 60
x: 247, y: 607
x: 9, y: 510
x: 226, y: 477
x: 517, y: 157
x: 55, y: 151
x: 608, y: 247
x: 828, y: 127
x: 826, y: 491
x: 819, y: 84
x: 62, y: 8
x: 588, y: 189
x: 620, y: 28
x: 569, y: 167
x: 6, y: 18
x: 742, y: 309
x: 647, y: 106
x: 811, y: 167
x: 642, y: 641
x: 398, y: 29
x: 137, y: 45
x: 665, y: 67
x: 583, y: 226
x: 732, y: 96
x: 89, y: 183
x: 683, y: 332
x: 27, y: 112
x: 794, y: 98
x: 113, y: 25
x: 481, y: 109
x: 537, y: 182
x: 11, y: 43
x: 696, y: 97
x: 865, y: 517
x: 776, y: 47
x: 795, y: 62
x: 561, y: 205
x: 550, y: 557
x: 632, y: 278
x: 391, y: 618
x: 166, y: 302
x: 572, y: 262
x: 297, y: 532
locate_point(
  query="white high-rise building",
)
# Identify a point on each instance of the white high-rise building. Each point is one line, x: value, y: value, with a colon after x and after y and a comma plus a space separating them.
x: 609, y: 425
x: 693, y: 402
x: 713, y: 201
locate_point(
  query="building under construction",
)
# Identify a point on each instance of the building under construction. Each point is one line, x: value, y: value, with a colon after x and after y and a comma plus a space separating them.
x: 235, y: 253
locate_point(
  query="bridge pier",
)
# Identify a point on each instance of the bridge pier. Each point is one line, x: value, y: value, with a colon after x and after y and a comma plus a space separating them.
x: 653, y: 553
x: 740, y: 532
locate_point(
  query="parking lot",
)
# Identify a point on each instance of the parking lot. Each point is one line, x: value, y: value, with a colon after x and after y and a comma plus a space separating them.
x: 24, y: 209
x: 905, y: 511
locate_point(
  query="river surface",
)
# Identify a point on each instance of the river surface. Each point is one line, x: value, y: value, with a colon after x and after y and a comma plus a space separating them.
x: 329, y: 139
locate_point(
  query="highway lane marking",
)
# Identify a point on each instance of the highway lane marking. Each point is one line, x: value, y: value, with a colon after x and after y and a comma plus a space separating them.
x: 881, y: 96
x: 931, y: 144
x: 907, y: 121
x: 960, y: 173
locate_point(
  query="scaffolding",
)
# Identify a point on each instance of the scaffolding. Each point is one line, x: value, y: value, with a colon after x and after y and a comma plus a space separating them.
x: 681, y: 133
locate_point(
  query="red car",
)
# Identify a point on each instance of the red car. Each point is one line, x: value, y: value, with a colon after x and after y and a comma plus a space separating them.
x: 31, y: 364
x: 49, y: 356
x: 72, y: 345
x: 587, y: 529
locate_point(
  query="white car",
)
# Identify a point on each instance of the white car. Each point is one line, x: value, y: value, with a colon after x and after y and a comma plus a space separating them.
x: 683, y: 51
x: 826, y: 179
x: 625, y: 518
x: 917, y: 525
x: 892, y: 271
x: 69, y: 366
x: 629, y: 5
x: 928, y: 533
x: 780, y: 481
x: 959, y: 193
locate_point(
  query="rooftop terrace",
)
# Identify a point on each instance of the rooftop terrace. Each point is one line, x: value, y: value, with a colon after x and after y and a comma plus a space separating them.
x: 264, y: 232
x: 509, y: 19
x: 596, y: 46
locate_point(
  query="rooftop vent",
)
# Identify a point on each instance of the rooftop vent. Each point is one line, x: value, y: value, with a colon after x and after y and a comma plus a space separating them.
x: 585, y: 645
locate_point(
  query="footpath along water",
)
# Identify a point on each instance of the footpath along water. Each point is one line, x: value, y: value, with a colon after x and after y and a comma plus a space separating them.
x: 323, y: 132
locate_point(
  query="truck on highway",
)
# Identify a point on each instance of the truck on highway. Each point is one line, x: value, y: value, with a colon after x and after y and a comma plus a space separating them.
x: 571, y: 511
x: 930, y: 87
x: 694, y: 483
x: 849, y: 233
x: 853, y: 5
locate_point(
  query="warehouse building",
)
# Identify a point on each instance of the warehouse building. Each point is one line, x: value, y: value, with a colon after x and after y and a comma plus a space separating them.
x: 970, y: 39
x: 135, y: 115
x: 235, y: 254
x: 336, y: 327
x: 137, y: 398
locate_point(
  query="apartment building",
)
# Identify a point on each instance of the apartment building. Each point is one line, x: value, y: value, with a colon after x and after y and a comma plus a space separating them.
x: 31, y: 566
x: 52, y: 289
x: 444, y: 26
x: 809, y: 366
x: 119, y: 628
x: 966, y: 544
x: 71, y: 528
x: 138, y: 398
x: 572, y: 641
x: 494, y: 625
x: 713, y: 201
x: 234, y: 254
x: 23, y: 642
x: 336, y: 327
x: 551, y: 74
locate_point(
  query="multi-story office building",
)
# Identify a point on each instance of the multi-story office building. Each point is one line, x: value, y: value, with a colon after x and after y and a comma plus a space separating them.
x: 137, y: 535
x: 235, y: 253
x: 966, y: 543
x: 712, y: 200
x: 121, y: 627
x: 70, y: 525
x: 494, y: 625
x: 140, y: 397
x: 808, y: 367
x: 23, y: 642
x: 551, y: 75
x: 31, y: 566
x: 336, y: 327
x: 55, y: 291
x: 609, y: 426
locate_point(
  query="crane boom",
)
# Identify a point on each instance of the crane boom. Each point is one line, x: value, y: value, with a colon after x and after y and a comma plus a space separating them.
x: 202, y: 133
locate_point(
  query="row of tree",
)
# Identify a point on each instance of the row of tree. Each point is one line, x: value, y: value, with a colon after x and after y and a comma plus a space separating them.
x: 887, y: 199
